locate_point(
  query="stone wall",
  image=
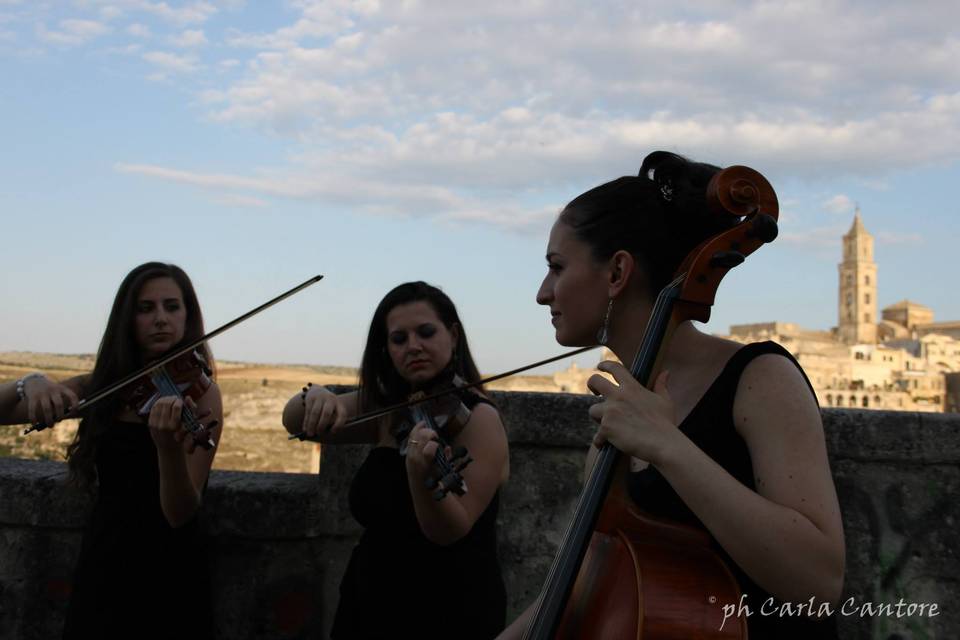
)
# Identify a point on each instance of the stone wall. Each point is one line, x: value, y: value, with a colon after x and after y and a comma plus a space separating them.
x: 281, y: 541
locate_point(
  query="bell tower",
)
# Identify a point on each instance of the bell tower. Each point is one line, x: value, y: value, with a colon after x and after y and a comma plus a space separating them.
x: 858, y: 286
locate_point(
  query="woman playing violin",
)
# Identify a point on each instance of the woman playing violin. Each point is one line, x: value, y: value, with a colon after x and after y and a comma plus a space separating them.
x: 425, y: 566
x: 730, y: 438
x: 142, y: 569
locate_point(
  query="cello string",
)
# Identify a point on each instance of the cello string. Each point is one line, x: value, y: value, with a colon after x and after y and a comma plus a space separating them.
x: 596, y: 486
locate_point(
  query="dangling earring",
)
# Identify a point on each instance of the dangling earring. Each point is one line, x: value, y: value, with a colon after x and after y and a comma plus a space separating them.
x: 603, y: 335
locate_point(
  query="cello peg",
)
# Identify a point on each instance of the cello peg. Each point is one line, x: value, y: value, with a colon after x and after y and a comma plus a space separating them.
x: 764, y: 227
x: 726, y: 259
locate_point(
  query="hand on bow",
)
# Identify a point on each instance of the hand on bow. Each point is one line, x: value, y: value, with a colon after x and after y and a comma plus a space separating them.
x: 323, y: 410
x: 634, y: 419
x: 47, y: 400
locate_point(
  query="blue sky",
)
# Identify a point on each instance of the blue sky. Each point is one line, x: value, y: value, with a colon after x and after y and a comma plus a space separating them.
x: 256, y: 144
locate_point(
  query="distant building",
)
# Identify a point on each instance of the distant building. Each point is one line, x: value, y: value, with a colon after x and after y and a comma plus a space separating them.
x: 905, y: 362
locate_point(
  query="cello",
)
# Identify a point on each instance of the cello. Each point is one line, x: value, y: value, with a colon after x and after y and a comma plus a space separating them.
x: 620, y: 573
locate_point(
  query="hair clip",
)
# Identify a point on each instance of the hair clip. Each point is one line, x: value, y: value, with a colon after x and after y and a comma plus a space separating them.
x: 666, y: 190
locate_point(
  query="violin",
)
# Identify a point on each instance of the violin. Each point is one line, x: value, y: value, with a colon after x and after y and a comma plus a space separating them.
x: 154, y: 378
x: 446, y: 416
x: 187, y: 376
x: 460, y: 387
x: 620, y: 573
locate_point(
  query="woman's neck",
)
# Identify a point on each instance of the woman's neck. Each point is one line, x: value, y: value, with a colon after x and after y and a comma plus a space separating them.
x: 628, y: 326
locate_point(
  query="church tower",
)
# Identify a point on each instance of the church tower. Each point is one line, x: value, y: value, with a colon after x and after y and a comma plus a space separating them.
x: 858, y: 286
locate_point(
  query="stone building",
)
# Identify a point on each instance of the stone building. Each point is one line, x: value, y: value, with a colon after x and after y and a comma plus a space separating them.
x: 901, y: 362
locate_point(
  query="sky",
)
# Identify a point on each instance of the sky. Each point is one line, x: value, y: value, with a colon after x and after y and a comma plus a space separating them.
x: 256, y: 144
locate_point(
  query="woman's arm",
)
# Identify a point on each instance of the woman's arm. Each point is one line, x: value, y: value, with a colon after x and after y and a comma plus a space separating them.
x: 184, y: 467
x: 44, y: 399
x: 321, y: 414
x: 446, y: 521
x: 518, y: 627
x: 788, y: 535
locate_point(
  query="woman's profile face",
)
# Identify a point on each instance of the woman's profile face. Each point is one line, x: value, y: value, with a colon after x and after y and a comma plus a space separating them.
x: 419, y: 344
x: 575, y: 288
x: 161, y: 317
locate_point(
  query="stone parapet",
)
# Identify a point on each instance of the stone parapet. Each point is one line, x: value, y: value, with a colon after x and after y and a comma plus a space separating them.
x: 281, y: 541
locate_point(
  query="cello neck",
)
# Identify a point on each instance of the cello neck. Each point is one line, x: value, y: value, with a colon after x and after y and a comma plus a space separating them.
x: 556, y: 590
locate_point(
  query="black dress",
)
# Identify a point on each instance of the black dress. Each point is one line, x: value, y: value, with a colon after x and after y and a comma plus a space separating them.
x: 398, y: 584
x: 710, y: 426
x: 137, y: 576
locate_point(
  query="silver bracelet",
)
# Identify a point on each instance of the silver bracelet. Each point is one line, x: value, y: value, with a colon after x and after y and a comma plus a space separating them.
x: 21, y: 394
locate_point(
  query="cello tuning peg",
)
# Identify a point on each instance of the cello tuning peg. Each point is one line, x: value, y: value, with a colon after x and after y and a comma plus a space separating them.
x: 726, y: 259
x: 764, y: 227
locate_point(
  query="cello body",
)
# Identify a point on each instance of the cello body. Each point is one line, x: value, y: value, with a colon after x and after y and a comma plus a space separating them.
x: 650, y: 579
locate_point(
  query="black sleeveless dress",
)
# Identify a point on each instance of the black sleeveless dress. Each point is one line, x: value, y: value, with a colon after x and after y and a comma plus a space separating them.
x: 710, y: 426
x: 398, y: 584
x: 137, y: 576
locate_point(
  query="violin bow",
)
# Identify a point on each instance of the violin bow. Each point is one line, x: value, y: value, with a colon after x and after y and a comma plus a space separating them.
x: 403, y: 405
x: 173, y: 355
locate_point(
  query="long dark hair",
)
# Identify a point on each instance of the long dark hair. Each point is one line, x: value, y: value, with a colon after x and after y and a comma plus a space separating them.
x: 658, y: 216
x: 119, y: 354
x: 380, y: 383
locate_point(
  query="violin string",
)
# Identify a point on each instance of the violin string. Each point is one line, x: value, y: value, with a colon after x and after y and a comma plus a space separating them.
x: 167, y: 386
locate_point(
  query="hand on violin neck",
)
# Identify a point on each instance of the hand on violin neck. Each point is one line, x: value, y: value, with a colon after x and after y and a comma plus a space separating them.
x: 422, y: 446
x: 634, y: 419
x: 166, y: 424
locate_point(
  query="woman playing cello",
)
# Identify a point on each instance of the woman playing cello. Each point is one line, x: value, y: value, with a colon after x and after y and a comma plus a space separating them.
x: 730, y: 438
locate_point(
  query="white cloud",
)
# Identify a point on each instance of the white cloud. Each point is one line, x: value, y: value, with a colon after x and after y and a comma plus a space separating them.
x: 138, y: 30
x: 189, y: 38
x: 899, y: 238
x: 446, y: 100
x: 375, y: 197
x: 839, y: 204
x: 819, y: 238
x: 72, y: 32
x: 171, y: 61
x: 128, y: 50
x: 192, y: 13
x: 239, y: 200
